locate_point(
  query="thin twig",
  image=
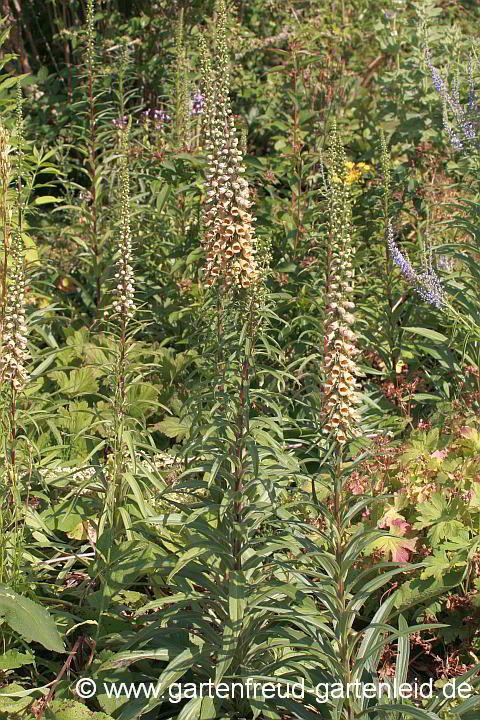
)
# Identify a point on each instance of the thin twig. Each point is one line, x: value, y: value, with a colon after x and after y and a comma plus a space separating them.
x: 67, y: 557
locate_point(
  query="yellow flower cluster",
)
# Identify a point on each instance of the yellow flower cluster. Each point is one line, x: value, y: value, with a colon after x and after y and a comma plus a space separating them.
x: 354, y: 172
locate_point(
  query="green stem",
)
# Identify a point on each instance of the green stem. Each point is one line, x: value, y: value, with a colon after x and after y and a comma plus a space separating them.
x: 93, y: 150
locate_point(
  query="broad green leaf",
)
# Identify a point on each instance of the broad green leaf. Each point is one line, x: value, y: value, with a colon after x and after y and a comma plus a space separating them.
x: 173, y: 427
x: 31, y: 252
x: 78, y: 380
x: 30, y: 620
x: 395, y: 544
x: 72, y: 710
x: 12, y: 659
x: 14, y: 700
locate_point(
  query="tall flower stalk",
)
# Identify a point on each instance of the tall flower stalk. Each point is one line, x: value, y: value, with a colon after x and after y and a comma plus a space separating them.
x: 123, y: 307
x: 182, y: 100
x: 340, y: 396
x: 339, y: 593
x: 339, y: 413
x: 426, y: 283
x: 5, y: 179
x: 14, y: 340
x: 13, y: 352
x: 123, y: 312
x: 466, y: 130
x: 233, y: 269
x: 92, y: 150
x: 229, y: 239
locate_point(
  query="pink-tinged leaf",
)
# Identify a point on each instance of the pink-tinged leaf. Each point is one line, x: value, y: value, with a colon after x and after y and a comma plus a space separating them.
x: 393, y: 519
x: 439, y: 454
x: 402, y: 525
x: 402, y: 553
x: 466, y: 431
x: 395, y: 545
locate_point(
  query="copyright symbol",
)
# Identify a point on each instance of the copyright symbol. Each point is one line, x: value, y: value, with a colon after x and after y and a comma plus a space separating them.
x: 85, y: 688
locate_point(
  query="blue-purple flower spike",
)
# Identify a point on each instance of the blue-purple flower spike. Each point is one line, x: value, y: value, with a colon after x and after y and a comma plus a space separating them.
x: 437, y: 79
x: 452, y: 101
x: 471, y: 88
x: 427, y: 284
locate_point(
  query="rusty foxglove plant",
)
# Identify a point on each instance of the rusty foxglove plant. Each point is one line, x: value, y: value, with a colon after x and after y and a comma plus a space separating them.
x: 340, y: 397
x: 229, y: 238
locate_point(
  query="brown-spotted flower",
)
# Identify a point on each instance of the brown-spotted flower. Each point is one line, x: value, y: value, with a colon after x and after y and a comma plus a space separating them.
x: 340, y: 388
x: 229, y: 238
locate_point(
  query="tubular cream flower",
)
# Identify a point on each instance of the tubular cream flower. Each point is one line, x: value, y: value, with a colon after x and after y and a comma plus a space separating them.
x: 124, y: 302
x: 340, y: 386
x: 13, y: 351
x: 229, y: 242
x: 14, y: 342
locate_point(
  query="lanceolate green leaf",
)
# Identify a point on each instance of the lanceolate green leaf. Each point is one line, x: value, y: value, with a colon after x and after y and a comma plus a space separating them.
x: 174, y: 670
x: 201, y: 708
x: 403, y: 649
x: 372, y: 634
x: 403, y: 710
x: 426, y: 332
x: 375, y: 647
x: 472, y: 703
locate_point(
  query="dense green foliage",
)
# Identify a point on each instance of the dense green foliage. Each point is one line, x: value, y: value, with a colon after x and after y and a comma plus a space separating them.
x: 240, y: 359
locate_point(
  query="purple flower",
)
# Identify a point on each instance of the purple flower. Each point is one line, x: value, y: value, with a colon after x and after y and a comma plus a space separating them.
x: 471, y: 88
x: 468, y: 130
x: 158, y: 116
x: 453, y: 101
x: 437, y: 79
x: 471, y: 99
x: 198, y: 104
x: 456, y: 93
x: 427, y: 283
x: 121, y: 121
x: 445, y: 263
x: 454, y: 139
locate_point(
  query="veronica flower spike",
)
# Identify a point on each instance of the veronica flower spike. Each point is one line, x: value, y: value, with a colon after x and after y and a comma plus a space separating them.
x: 427, y: 283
